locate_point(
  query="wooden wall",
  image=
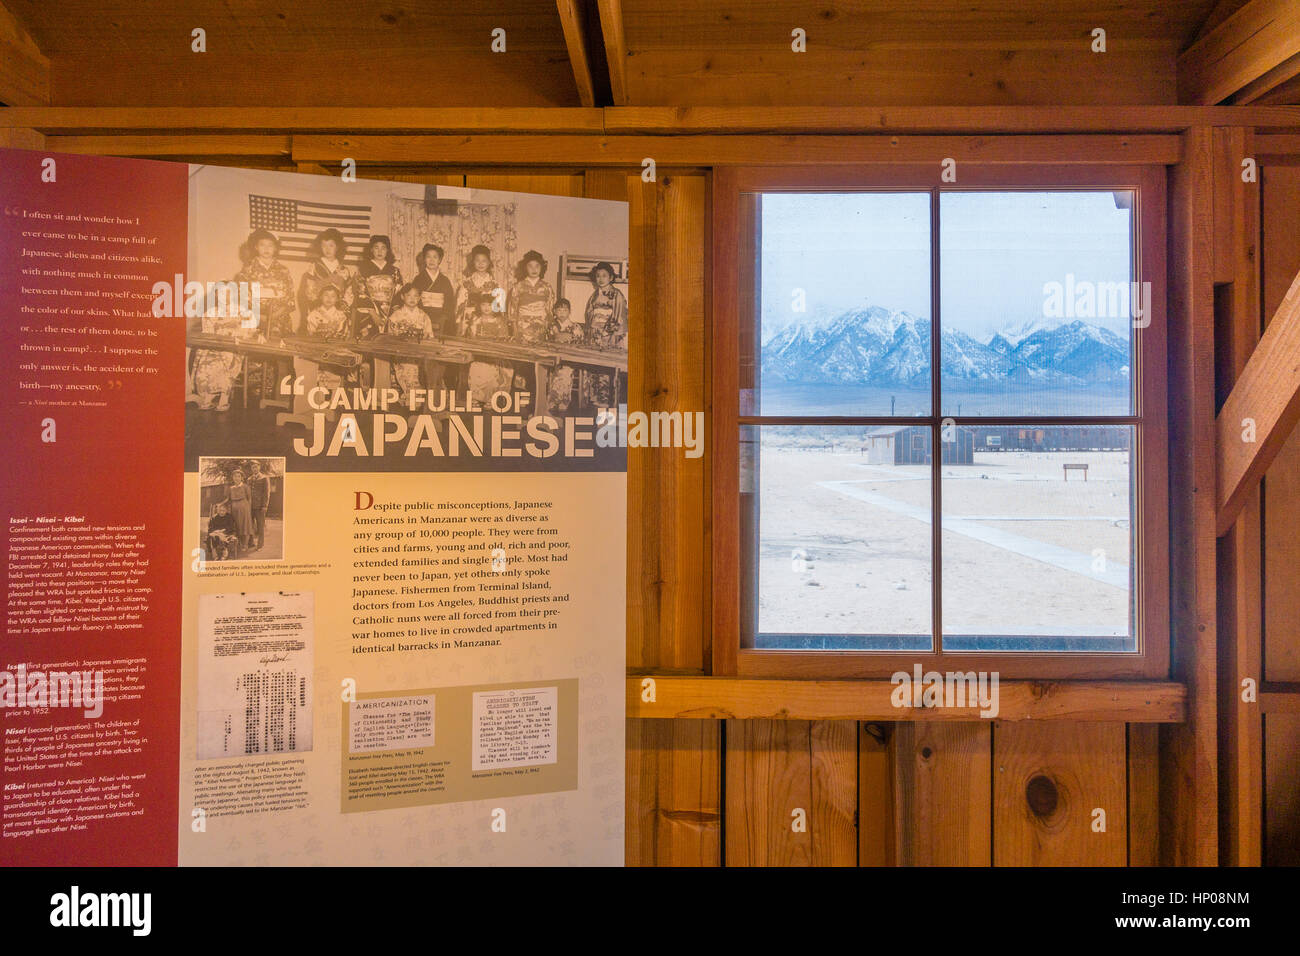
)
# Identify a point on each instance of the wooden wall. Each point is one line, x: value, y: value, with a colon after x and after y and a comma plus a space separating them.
x: 716, y: 790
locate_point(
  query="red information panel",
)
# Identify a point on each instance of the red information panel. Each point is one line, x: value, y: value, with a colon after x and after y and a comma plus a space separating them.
x: 90, y: 676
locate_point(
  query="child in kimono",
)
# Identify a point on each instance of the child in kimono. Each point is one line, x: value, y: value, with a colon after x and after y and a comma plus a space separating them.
x: 531, y: 300
x: 486, y: 322
x: 486, y: 378
x: 478, y: 282
x: 409, y: 321
x: 328, y: 322
x: 562, y: 330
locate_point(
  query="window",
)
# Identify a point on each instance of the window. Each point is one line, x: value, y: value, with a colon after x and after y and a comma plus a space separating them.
x: 940, y: 421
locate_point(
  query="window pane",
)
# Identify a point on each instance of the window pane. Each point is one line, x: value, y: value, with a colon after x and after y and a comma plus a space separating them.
x: 840, y: 536
x: 844, y: 305
x: 1037, y: 303
x: 1037, y: 539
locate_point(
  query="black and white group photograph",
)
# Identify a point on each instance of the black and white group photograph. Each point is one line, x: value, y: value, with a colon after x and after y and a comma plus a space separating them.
x: 451, y: 304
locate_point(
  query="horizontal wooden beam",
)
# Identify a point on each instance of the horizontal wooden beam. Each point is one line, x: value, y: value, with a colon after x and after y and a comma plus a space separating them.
x: 491, y: 150
x: 345, y: 119
x: 1261, y: 410
x: 655, y: 120
x: 174, y: 145
x: 694, y: 697
x: 951, y: 119
x: 1258, y: 38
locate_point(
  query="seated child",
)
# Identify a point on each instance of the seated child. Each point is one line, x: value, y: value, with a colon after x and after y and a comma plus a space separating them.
x: 485, y: 323
x: 562, y: 329
x: 487, y: 378
x: 327, y: 321
x: 409, y: 321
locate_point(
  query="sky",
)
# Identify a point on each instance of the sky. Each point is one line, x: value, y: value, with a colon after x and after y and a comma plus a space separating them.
x: 850, y: 250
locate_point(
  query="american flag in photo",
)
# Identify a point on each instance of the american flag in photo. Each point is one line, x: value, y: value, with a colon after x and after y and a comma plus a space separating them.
x: 297, y: 222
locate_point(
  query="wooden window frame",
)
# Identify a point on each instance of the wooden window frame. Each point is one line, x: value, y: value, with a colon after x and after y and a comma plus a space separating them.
x: 1151, y: 496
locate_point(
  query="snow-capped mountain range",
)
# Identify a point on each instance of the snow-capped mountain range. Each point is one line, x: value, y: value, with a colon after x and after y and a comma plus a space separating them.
x: 875, y: 346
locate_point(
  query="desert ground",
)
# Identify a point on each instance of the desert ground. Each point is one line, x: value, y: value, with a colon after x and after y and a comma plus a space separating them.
x: 845, y: 546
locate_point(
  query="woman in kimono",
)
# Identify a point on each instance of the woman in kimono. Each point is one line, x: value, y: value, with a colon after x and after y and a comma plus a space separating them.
x: 328, y: 250
x: 215, y: 371
x: 377, y: 282
x: 261, y: 258
x: 478, y: 281
x: 531, y: 300
x: 438, y: 299
x: 262, y: 265
x: 606, y: 310
x: 437, y: 295
x: 409, y: 321
x: 606, y: 317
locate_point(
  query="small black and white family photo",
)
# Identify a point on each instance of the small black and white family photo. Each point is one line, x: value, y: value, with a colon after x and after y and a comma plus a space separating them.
x: 241, y: 509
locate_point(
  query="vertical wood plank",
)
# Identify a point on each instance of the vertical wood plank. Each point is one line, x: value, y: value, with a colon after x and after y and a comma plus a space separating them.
x: 875, y: 796
x: 668, y: 587
x: 943, y: 788
x: 731, y: 533
x: 1189, y: 751
x: 1236, y: 230
x: 1049, y: 779
x: 776, y: 767
x: 674, y: 793
x: 1143, y: 795
x: 674, y: 788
